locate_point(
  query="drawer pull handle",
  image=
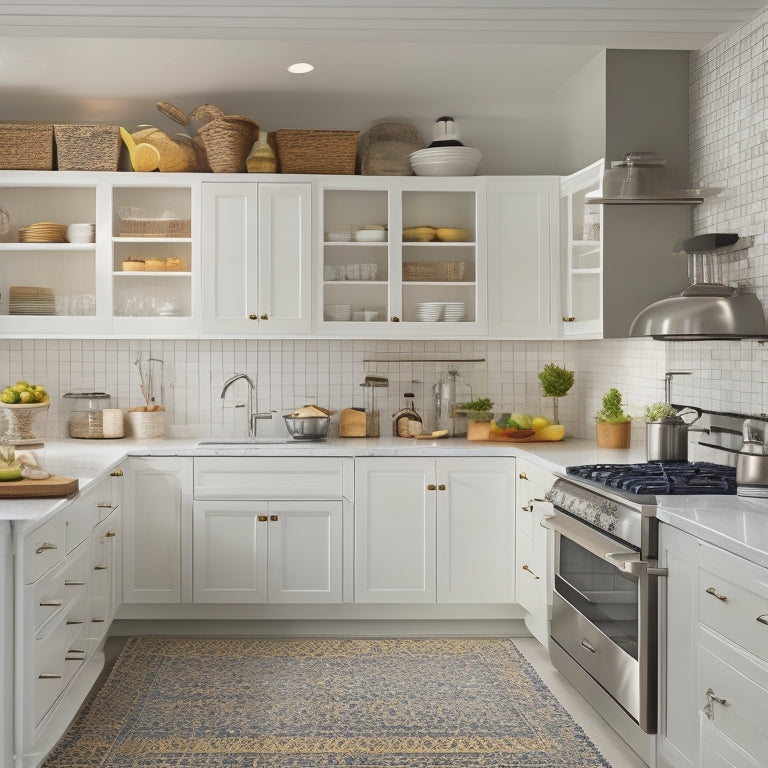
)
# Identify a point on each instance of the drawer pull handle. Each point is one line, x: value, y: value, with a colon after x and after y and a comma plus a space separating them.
x: 70, y: 621
x: 51, y: 603
x: 712, y: 591
x: 273, y: 518
x: 49, y: 676
x: 264, y: 317
x: 45, y: 545
x: 116, y: 473
x: 526, y: 568
x: 262, y: 518
x: 763, y: 619
x: 72, y: 583
x: 100, y: 567
x: 441, y: 487
x: 527, y: 508
x: 75, y: 658
x: 586, y: 644
x: 431, y: 487
x: 569, y: 319
x: 104, y: 505
x: 97, y: 621
x: 74, y: 650
x: 711, y: 698
x: 523, y: 476
x: 110, y: 534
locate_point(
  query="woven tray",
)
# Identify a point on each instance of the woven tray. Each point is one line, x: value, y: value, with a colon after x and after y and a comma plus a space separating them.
x: 433, y: 271
x: 26, y: 146
x: 87, y: 147
x: 303, y: 151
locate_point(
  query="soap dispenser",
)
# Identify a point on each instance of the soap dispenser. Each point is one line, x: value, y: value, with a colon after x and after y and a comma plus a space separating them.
x: 407, y: 422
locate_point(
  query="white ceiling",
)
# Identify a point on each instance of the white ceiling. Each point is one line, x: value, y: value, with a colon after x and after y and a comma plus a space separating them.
x: 87, y: 60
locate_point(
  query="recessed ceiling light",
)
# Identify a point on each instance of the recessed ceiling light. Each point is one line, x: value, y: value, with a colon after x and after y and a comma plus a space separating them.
x: 300, y: 69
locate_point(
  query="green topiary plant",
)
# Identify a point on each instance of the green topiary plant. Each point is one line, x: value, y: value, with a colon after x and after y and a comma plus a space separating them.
x: 555, y: 383
x: 612, y: 411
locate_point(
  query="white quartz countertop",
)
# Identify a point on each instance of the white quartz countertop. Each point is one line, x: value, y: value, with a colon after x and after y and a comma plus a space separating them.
x: 736, y: 524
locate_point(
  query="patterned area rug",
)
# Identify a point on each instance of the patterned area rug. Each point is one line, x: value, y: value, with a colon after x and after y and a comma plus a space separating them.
x: 310, y: 703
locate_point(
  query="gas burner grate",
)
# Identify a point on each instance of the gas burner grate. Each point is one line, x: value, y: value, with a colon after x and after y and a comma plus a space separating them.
x: 661, y: 477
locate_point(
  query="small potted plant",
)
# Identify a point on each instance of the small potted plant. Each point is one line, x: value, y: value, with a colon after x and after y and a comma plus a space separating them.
x: 614, y: 427
x: 555, y: 383
x: 479, y: 415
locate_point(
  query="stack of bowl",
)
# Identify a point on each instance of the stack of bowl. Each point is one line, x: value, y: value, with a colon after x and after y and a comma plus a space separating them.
x: 445, y: 161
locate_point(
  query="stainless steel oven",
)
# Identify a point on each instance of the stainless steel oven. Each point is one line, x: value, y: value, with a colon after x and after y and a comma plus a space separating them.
x: 604, y: 629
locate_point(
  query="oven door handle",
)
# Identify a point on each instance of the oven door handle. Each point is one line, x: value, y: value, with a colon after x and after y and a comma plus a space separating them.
x: 601, y: 546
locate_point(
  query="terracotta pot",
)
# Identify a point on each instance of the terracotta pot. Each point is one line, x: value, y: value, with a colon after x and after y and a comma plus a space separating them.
x: 613, y: 435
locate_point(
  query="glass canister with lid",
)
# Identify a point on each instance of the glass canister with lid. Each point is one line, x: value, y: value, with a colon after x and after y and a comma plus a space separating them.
x: 85, y: 413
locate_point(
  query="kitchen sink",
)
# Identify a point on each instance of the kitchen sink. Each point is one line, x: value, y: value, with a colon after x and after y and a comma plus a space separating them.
x: 247, y: 441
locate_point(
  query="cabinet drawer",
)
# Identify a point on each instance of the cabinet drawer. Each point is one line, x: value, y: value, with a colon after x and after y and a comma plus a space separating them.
x: 59, y: 587
x: 733, y: 599
x: 742, y: 683
x: 534, y: 474
x: 44, y: 548
x: 268, y: 478
x: 718, y: 752
x: 529, y: 581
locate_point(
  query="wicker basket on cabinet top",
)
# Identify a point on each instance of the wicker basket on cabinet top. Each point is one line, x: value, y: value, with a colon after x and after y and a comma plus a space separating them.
x: 26, y: 146
x: 87, y: 147
x: 304, y: 151
x: 433, y: 271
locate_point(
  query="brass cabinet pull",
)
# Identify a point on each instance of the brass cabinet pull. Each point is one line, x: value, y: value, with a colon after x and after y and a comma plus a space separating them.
x: 79, y: 657
x: 262, y: 518
x: 116, y: 473
x: 110, y: 534
x: 100, y: 567
x: 45, y: 545
x: 48, y: 676
x: 523, y: 476
x: 72, y: 583
x: 528, y: 507
x: 395, y: 319
x: 273, y: 518
x: 711, y: 698
x: 441, y: 487
x: 431, y: 487
x: 51, y: 603
x: 763, y: 619
x: 253, y: 317
x: 712, y: 591
x: 526, y: 568
x: 97, y: 621
x: 264, y: 317
x: 569, y: 319
x: 72, y: 621
x: 104, y: 505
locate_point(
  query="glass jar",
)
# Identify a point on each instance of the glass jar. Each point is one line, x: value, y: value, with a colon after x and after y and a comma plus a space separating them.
x: 84, y: 413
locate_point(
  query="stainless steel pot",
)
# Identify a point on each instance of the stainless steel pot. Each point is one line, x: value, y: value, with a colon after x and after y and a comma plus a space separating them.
x: 667, y: 440
x: 752, y: 461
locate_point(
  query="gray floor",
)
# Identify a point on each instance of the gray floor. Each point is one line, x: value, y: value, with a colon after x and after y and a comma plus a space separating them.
x: 611, y: 746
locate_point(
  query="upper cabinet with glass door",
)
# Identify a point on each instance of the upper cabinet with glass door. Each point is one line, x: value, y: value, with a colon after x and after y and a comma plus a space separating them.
x: 153, y: 257
x: 401, y: 256
x: 51, y: 282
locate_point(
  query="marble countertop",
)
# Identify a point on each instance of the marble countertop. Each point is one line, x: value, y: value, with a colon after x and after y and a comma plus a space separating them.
x: 736, y: 524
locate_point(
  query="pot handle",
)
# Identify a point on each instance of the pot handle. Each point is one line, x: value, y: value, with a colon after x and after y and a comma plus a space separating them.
x: 687, y: 411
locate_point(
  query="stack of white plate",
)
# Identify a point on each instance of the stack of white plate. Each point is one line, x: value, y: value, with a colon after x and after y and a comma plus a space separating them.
x: 445, y: 161
x: 338, y: 312
x: 453, y: 311
x: 429, y: 311
x: 23, y: 300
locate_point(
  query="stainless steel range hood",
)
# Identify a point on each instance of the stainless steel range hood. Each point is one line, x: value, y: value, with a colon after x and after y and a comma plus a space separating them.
x: 707, y: 309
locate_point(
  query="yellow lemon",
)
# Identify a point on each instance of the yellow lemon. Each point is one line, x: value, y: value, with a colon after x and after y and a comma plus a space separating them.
x: 552, y: 432
x: 539, y: 423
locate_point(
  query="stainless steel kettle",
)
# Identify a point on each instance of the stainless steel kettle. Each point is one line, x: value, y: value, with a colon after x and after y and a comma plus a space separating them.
x: 752, y: 461
x: 667, y: 440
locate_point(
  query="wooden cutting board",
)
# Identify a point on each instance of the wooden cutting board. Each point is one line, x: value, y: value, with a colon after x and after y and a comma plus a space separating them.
x: 32, y: 489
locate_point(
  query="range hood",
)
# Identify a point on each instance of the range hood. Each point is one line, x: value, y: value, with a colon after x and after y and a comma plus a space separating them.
x: 707, y: 309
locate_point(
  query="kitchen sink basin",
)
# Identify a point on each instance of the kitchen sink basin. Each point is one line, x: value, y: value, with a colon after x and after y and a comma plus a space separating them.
x: 247, y: 441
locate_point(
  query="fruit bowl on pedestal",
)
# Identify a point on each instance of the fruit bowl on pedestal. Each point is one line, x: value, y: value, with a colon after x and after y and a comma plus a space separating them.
x: 19, y: 422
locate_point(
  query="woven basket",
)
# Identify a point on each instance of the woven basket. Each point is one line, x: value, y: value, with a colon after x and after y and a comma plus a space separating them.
x: 434, y: 271
x: 155, y: 228
x: 302, y: 151
x: 26, y: 146
x: 87, y: 147
x: 227, y: 141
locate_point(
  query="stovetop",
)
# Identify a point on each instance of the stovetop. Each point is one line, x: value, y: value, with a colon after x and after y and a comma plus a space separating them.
x: 660, y: 477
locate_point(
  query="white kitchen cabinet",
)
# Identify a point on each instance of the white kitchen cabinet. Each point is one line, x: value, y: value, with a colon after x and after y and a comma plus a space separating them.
x: 534, y: 548
x: 434, y: 530
x: 106, y: 575
x: 256, y: 237
x: 609, y: 275
x: 714, y: 651
x: 267, y: 551
x: 523, y: 264
x: 680, y: 701
x: 401, y: 286
x: 157, y: 526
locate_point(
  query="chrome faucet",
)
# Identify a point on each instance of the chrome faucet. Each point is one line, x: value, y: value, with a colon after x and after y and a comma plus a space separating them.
x: 253, y: 415
x: 668, y: 383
